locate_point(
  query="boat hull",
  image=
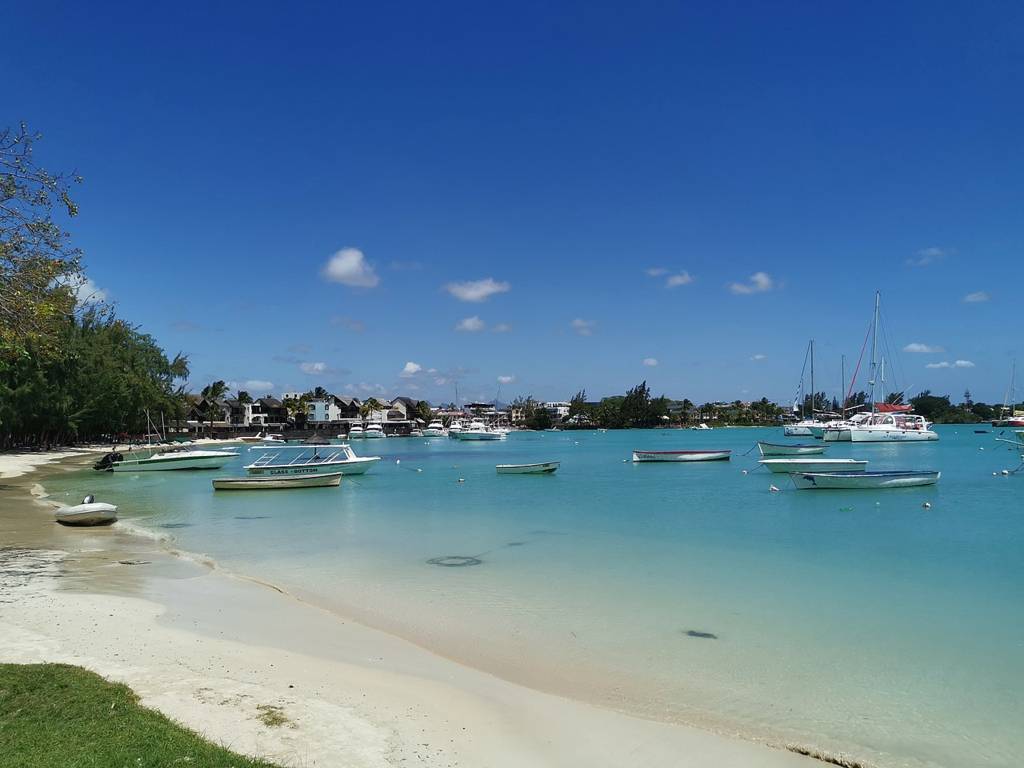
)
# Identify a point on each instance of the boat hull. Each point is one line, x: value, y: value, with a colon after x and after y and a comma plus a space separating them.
x: 651, y: 456
x: 794, y: 431
x: 277, y: 482
x: 479, y: 436
x: 862, y: 480
x: 892, y: 435
x: 786, y: 466
x: 775, y: 449
x: 836, y: 435
x: 166, y: 463
x: 353, y: 467
x: 95, y: 513
x: 541, y: 468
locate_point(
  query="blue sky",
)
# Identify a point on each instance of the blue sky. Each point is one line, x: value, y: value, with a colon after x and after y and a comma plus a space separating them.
x: 323, y: 194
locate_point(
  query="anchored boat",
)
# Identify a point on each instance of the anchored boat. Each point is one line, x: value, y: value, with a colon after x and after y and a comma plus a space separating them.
x: 780, y: 466
x: 641, y: 456
x: 277, y: 482
x: 864, y: 480
x: 311, y: 460
x: 540, y: 468
x: 167, y: 460
x: 774, y: 449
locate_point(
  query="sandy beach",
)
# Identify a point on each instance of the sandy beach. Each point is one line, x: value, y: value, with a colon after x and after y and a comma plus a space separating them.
x: 215, y: 651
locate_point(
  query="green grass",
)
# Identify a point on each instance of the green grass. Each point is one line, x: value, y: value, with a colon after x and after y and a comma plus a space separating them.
x: 59, y: 715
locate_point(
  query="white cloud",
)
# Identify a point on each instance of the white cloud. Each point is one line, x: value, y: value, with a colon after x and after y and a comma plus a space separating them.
x: 477, y: 290
x: 313, y: 369
x: 583, y: 327
x: 656, y: 271
x: 502, y: 328
x: 650, y: 362
x: 251, y: 385
x: 350, y: 267
x: 954, y: 364
x: 758, y: 357
x: 682, y: 278
x: 926, y: 349
x: 977, y: 297
x: 963, y: 364
x: 470, y: 324
x: 87, y: 292
x: 760, y: 282
x: 410, y: 369
x: 506, y: 379
x: 926, y: 256
x: 371, y: 389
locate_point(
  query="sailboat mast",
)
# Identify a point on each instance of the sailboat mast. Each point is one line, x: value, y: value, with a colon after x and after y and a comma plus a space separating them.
x: 842, y: 391
x: 874, y: 343
x: 812, y: 380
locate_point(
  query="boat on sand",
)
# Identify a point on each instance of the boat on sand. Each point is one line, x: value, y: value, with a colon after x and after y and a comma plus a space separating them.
x: 89, y: 512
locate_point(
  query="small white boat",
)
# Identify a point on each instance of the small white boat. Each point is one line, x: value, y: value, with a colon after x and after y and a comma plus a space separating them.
x: 864, y: 480
x: 167, y: 460
x: 477, y: 430
x: 701, y: 426
x: 777, y: 449
x: 435, y: 429
x: 356, y: 432
x: 374, y: 431
x: 277, y: 482
x: 641, y: 456
x: 454, y: 428
x: 416, y: 433
x: 805, y: 428
x: 311, y: 460
x: 89, y: 512
x: 780, y: 466
x: 540, y: 468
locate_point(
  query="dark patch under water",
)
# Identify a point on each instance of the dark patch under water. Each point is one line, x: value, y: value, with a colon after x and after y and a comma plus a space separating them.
x: 702, y: 635
x: 176, y: 525
x: 515, y: 544
x: 252, y: 517
x: 454, y: 561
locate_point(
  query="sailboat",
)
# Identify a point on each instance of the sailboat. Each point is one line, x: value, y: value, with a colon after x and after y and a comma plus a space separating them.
x: 889, y: 422
x: 1008, y: 415
x: 806, y: 427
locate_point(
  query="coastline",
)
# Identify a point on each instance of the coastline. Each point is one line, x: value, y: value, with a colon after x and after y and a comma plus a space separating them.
x: 200, y: 645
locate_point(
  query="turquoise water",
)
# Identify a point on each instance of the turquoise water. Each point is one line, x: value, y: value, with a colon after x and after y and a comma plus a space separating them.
x: 857, y: 621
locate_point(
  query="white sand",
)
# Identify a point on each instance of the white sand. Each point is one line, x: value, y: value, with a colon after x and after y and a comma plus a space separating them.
x: 209, y: 650
x: 18, y: 464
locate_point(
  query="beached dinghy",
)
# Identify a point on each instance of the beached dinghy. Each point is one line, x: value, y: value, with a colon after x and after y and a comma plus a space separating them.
x: 89, y: 512
x: 775, y: 449
x: 779, y: 466
x: 864, y: 480
x: 277, y: 482
x: 681, y: 455
x: 541, y: 468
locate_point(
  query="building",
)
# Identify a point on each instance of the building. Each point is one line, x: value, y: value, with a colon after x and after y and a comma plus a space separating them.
x: 268, y: 412
x: 291, y: 395
x: 333, y: 409
x: 559, y: 411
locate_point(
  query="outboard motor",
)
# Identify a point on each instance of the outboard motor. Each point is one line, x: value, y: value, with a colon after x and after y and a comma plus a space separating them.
x: 89, y: 499
x: 107, y: 462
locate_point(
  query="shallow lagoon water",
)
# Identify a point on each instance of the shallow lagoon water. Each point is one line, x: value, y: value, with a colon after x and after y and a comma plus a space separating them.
x: 853, y: 621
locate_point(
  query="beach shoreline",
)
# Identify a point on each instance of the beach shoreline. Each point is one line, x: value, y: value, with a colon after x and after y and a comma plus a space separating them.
x: 197, y: 644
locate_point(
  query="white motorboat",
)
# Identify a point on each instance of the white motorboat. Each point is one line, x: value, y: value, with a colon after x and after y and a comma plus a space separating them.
x: 310, y: 460
x: 701, y: 426
x: 864, y: 480
x: 277, y: 482
x: 89, y: 512
x: 168, y: 460
x: 641, y: 456
x: 477, y: 430
x: 374, y: 431
x: 805, y: 428
x: 540, y: 468
x: 454, y: 428
x: 779, y: 449
x: 781, y: 466
x: 435, y: 429
x: 893, y: 428
x: 355, y: 432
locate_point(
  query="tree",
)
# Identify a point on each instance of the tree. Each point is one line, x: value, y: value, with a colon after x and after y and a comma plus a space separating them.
x: 319, y: 393
x: 423, y: 411
x: 40, y: 272
x: 369, y: 407
x: 211, y: 394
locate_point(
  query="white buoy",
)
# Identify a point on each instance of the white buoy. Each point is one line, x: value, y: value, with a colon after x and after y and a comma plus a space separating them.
x: 773, y: 489
x: 462, y: 479
x: 927, y: 505
x: 744, y: 471
x: 1006, y: 471
x: 398, y: 461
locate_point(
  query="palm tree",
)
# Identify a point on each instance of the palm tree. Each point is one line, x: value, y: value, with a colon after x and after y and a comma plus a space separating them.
x: 211, y: 394
x: 369, y: 406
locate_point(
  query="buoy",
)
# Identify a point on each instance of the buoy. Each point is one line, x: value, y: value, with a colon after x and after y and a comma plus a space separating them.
x: 1006, y: 471
x: 398, y: 461
x: 744, y: 471
x: 419, y: 469
x: 927, y: 505
x: 995, y: 474
x: 982, y: 448
x: 462, y: 479
x: 773, y: 489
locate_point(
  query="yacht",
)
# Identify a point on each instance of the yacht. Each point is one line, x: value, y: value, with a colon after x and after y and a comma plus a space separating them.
x: 355, y: 432
x: 477, y: 430
x: 374, y: 431
x: 310, y: 460
x: 166, y: 460
x: 805, y: 428
x: 454, y: 428
x: 435, y: 429
x: 893, y: 428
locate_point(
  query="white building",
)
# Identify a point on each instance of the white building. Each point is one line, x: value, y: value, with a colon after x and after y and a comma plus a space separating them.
x: 333, y: 408
x: 557, y: 410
